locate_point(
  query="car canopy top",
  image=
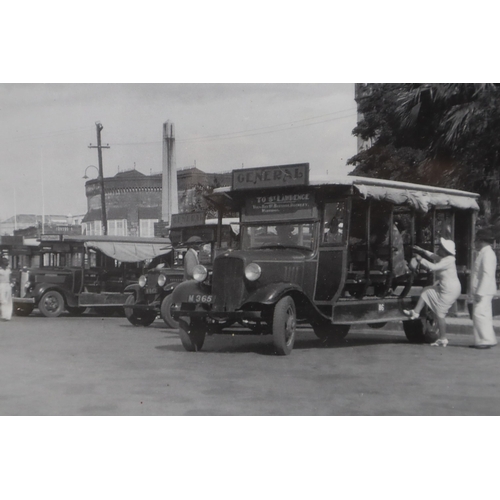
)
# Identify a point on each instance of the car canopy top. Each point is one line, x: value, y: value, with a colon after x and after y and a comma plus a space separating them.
x: 125, y: 249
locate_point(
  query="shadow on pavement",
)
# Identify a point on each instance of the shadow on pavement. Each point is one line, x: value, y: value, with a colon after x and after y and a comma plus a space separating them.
x: 244, y: 343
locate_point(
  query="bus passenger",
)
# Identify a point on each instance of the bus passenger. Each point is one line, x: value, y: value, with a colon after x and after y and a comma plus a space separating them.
x: 191, y: 257
x: 380, y: 241
x: 440, y: 296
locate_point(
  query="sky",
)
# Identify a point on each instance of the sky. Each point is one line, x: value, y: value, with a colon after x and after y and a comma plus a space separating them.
x: 46, y: 130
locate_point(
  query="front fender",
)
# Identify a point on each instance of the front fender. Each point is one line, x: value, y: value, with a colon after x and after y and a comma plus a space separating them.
x: 186, y: 288
x: 271, y: 293
x: 170, y: 287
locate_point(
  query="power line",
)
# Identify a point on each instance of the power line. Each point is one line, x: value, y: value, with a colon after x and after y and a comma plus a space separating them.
x: 249, y: 133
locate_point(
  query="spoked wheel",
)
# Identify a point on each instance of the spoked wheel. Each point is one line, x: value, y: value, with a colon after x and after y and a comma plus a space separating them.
x: 423, y: 330
x: 284, y: 325
x: 192, y: 333
x: 75, y: 311
x: 165, y: 312
x: 137, y: 317
x: 330, y: 333
x: 23, y: 309
x: 51, y: 304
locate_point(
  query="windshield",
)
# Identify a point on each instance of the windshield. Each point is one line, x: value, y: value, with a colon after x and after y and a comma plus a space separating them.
x: 297, y: 235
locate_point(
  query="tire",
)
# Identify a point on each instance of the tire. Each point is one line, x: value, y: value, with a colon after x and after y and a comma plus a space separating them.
x: 423, y: 330
x: 376, y: 326
x: 51, y: 304
x: 165, y: 313
x: 137, y: 317
x: 330, y: 333
x: 75, y: 311
x: 23, y: 309
x: 284, y: 326
x: 192, y: 334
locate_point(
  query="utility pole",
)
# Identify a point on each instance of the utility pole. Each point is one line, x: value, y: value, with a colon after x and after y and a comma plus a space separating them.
x: 99, y: 147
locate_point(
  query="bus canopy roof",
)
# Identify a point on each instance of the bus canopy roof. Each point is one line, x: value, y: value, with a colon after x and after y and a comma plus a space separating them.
x: 418, y: 196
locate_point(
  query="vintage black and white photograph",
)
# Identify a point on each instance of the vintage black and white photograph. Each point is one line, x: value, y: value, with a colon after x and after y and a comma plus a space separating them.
x: 204, y: 261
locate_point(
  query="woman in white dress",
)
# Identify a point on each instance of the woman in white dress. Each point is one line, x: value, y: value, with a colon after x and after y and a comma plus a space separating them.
x: 445, y: 291
x: 5, y: 290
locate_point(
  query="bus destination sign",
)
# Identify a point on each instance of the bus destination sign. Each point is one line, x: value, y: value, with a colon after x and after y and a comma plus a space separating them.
x: 188, y: 219
x: 279, y: 204
x: 267, y: 177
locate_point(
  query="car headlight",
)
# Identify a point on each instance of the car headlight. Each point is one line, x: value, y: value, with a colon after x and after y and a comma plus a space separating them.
x: 142, y: 281
x: 253, y: 272
x: 162, y: 279
x: 200, y: 273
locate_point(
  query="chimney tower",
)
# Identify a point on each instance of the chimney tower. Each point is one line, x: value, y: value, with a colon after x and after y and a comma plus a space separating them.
x: 169, y: 196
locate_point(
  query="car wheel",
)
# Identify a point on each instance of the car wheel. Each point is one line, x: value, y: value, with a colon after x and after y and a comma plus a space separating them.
x: 192, y: 334
x: 51, y: 304
x: 284, y: 325
x: 166, y: 313
x: 137, y: 317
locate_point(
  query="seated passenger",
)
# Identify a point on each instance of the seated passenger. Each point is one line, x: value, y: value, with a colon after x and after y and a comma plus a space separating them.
x: 379, y: 241
x: 335, y: 232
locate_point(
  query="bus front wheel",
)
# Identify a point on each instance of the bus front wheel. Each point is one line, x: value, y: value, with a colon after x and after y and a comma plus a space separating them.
x: 192, y: 334
x: 284, y: 326
x: 51, y: 304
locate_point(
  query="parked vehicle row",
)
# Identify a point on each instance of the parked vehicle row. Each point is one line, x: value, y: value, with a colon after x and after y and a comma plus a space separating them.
x: 331, y: 252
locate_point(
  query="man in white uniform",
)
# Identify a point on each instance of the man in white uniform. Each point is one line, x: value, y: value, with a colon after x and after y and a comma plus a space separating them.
x: 484, y: 288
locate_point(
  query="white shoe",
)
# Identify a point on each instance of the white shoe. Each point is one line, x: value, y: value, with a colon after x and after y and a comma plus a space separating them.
x: 440, y: 343
x: 411, y: 313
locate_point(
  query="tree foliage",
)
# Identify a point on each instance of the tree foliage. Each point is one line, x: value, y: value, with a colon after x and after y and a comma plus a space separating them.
x: 440, y: 134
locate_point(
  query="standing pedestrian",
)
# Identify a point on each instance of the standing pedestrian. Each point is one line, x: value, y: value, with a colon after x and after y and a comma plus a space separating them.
x: 5, y: 290
x: 191, y: 256
x: 440, y: 296
x: 484, y: 287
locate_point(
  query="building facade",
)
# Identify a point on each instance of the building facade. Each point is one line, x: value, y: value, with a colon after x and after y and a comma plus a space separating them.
x: 133, y: 200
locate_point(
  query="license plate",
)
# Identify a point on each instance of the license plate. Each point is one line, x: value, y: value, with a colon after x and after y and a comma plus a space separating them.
x: 151, y: 291
x: 199, y: 298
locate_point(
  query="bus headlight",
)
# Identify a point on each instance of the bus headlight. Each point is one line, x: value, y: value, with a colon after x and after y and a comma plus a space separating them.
x: 253, y: 272
x: 142, y: 281
x: 200, y: 273
x: 162, y: 279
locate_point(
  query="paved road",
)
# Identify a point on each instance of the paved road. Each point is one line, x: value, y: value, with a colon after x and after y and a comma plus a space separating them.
x: 105, y: 366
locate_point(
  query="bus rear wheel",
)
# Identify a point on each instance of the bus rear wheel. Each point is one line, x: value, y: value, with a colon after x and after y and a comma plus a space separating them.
x: 423, y: 330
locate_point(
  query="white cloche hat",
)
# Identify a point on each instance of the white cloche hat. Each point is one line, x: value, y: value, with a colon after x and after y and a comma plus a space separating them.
x: 448, y: 245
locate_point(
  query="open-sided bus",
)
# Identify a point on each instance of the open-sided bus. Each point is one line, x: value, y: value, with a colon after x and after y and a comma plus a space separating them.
x: 75, y: 272
x: 152, y: 295
x: 334, y: 252
x: 21, y: 251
